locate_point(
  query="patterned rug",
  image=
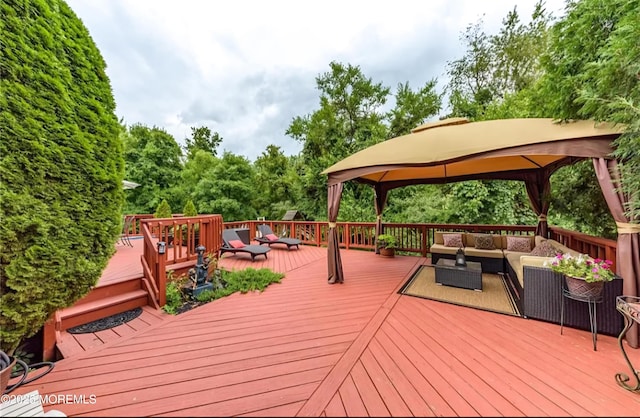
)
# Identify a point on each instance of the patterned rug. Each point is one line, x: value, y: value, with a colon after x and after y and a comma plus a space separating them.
x: 495, y: 296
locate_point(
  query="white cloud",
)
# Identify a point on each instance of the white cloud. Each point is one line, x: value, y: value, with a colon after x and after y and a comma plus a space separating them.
x: 246, y: 68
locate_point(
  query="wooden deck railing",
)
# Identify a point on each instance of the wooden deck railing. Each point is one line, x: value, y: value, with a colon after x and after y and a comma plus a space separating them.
x: 596, y: 247
x: 417, y: 238
x: 413, y: 238
x: 181, y: 236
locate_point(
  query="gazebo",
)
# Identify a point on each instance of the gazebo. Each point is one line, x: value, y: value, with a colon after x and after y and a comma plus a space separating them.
x: 529, y: 150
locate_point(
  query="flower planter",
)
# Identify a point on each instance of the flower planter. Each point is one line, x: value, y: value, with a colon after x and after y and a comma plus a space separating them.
x: 580, y: 287
x: 387, y: 252
x: 5, y: 375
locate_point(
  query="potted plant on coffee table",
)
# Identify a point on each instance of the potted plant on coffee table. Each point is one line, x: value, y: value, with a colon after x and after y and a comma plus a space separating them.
x: 584, y: 276
x: 387, y: 245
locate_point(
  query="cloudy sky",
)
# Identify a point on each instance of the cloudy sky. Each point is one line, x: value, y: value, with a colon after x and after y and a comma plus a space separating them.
x: 245, y: 68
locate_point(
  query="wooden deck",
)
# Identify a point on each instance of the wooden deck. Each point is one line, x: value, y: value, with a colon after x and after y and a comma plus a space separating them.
x: 303, y: 347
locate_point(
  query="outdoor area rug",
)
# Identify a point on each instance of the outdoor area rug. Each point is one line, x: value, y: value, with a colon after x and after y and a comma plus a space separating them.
x: 495, y: 296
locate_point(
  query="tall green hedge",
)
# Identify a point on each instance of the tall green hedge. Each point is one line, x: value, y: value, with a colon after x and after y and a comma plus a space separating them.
x: 61, y: 164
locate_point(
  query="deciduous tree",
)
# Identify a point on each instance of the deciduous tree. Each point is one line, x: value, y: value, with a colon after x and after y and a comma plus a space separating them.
x: 153, y: 159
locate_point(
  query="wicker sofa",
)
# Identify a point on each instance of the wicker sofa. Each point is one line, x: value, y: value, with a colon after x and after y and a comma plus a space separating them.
x: 536, y: 289
x: 492, y: 260
x: 538, y: 292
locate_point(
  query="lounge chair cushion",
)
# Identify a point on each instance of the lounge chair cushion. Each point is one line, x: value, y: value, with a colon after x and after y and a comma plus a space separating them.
x: 271, y: 237
x: 236, y: 243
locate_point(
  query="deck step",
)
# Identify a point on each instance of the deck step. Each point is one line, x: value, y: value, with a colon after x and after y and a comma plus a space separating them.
x: 112, y: 288
x: 90, y: 311
x: 70, y: 345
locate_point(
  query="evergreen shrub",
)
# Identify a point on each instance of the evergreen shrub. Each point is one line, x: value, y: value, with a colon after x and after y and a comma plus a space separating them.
x: 61, y: 166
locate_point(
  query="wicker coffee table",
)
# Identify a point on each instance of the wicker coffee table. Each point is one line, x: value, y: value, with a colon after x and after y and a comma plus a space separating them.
x: 469, y: 277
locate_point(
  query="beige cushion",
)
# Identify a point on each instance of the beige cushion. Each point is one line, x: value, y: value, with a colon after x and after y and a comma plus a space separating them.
x: 514, y: 261
x: 497, y: 253
x: 441, y: 249
x: 517, y: 261
x: 532, y: 261
x: 437, y: 238
x: 539, y: 239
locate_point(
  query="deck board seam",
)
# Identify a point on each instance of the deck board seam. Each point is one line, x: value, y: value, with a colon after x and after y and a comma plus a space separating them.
x: 330, y: 385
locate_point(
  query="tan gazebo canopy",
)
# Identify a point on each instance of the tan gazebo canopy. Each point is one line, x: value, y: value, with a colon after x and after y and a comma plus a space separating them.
x: 454, y: 150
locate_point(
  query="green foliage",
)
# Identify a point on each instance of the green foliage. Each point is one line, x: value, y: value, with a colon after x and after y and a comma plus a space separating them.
x: 412, y: 108
x: 153, y: 159
x: 357, y: 204
x: 277, y: 183
x: 174, y: 298
x: 592, y: 69
x: 202, y: 139
x: 496, y: 66
x: 586, y: 210
x: 250, y: 279
x: 163, y: 210
x: 196, y: 169
x: 189, y: 209
x: 583, y: 267
x: 243, y: 281
x: 386, y: 241
x: 349, y: 119
x: 227, y: 189
x: 21, y: 354
x: 61, y: 170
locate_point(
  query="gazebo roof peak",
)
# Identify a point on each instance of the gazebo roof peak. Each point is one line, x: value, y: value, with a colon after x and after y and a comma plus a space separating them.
x: 442, y: 122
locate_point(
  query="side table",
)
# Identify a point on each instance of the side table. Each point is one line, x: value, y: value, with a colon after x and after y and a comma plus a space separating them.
x: 629, y: 307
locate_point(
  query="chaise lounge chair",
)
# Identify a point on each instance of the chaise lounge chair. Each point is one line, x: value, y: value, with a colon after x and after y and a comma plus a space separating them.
x: 268, y: 237
x: 231, y: 243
